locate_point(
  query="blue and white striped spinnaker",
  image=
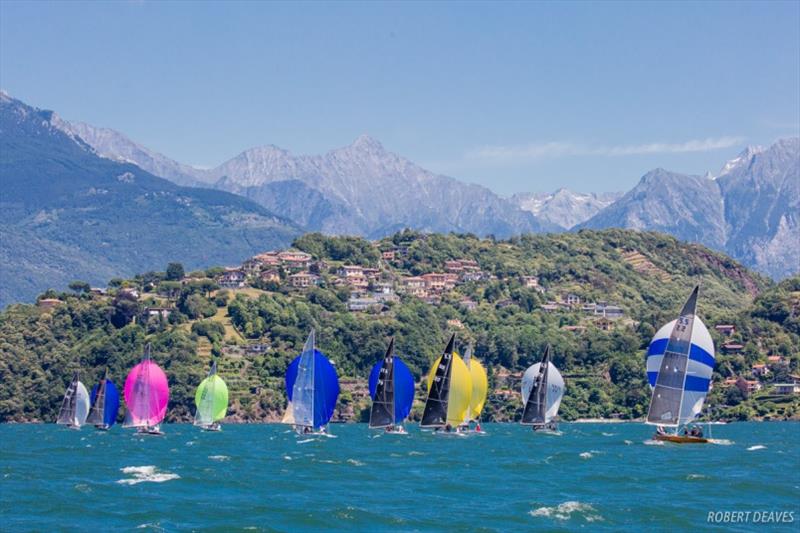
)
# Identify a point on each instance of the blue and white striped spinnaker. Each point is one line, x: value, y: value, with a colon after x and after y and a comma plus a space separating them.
x: 680, y: 361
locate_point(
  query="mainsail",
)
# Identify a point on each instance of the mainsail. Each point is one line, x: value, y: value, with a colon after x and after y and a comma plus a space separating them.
x: 105, y: 403
x: 449, y: 390
x: 75, y: 405
x: 146, y: 394
x: 312, y: 387
x: 391, y: 386
x: 211, y: 399
x: 680, y: 361
x: 542, y: 390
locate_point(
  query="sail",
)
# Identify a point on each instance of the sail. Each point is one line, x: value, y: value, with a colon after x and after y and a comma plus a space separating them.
x: 110, y: 404
x: 312, y: 387
x: 542, y: 391
x: 82, y: 404
x: 449, y: 390
x: 480, y: 387
x: 403, y: 389
x: 146, y: 394
x: 382, y: 412
x: 680, y: 361
x: 97, y: 410
x: 66, y: 415
x: 75, y: 405
x: 211, y: 399
x: 105, y: 403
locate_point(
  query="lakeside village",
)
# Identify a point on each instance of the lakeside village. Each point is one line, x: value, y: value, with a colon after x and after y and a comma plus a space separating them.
x: 374, y: 289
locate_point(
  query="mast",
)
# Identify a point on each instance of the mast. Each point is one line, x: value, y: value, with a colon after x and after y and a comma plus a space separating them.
x: 467, y: 358
x: 98, y: 410
x: 536, y: 404
x: 67, y: 413
x: 435, y: 413
x: 382, y: 413
x: 667, y: 398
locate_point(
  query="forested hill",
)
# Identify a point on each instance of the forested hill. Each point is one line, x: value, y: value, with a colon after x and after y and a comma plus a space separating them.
x: 596, y: 296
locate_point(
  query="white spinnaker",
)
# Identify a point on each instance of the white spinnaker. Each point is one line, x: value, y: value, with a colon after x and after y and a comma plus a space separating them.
x: 555, y: 388
x: 82, y: 404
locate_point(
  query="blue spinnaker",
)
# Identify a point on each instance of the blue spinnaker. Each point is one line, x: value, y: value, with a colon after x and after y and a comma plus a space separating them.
x: 403, y: 388
x: 112, y: 403
x: 325, y: 388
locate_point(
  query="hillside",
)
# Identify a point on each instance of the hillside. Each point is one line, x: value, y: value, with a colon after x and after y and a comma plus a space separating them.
x: 595, y: 296
x: 66, y: 213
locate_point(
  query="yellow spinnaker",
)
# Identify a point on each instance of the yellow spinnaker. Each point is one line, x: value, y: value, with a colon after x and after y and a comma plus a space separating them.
x: 460, y: 389
x: 480, y: 386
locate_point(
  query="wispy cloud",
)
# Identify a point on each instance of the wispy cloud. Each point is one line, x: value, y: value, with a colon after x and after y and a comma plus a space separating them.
x: 563, y: 149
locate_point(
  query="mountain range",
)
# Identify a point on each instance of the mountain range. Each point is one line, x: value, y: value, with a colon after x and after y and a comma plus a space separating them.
x: 751, y: 210
x: 78, y: 200
x: 66, y: 213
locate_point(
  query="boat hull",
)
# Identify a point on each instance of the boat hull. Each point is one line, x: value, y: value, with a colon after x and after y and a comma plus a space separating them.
x: 680, y: 439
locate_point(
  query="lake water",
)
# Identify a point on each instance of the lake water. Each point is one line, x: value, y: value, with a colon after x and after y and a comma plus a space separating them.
x: 261, y: 477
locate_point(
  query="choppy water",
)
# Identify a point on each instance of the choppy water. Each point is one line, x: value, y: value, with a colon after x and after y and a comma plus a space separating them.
x: 595, y: 476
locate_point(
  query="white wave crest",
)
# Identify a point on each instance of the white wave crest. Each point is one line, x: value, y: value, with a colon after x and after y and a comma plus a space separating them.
x: 566, y: 510
x: 219, y: 457
x: 756, y: 447
x: 148, y: 473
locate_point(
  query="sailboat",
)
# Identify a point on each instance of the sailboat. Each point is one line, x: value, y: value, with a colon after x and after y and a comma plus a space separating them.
x: 312, y: 387
x: 449, y: 392
x: 146, y: 395
x: 542, y: 390
x: 680, y: 360
x: 75, y: 405
x: 391, y: 387
x: 211, y: 400
x: 105, y: 404
x: 480, y: 387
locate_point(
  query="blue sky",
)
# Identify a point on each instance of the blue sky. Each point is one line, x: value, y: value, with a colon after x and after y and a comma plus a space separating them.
x: 515, y: 96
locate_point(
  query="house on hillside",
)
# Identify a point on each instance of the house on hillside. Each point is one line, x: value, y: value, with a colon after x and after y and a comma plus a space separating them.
x: 732, y: 347
x: 294, y: 259
x: 158, y: 312
x: 468, y: 304
x: 272, y: 275
x: 608, y: 311
x: 726, y: 330
x: 48, y: 303
x: 388, y: 255
x: 759, y: 370
x: 303, y: 280
x: 363, y: 304
x: 748, y: 386
x: 787, y: 389
x: 604, y: 323
x: 232, y: 278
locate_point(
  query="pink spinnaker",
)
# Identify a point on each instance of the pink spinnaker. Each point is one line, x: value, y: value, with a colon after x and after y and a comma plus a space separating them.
x: 146, y: 394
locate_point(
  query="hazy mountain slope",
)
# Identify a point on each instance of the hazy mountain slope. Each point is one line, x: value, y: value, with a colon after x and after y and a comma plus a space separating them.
x: 762, y: 208
x: 564, y: 208
x: 688, y: 207
x: 378, y: 189
x: 66, y: 213
x: 751, y: 211
x: 111, y: 144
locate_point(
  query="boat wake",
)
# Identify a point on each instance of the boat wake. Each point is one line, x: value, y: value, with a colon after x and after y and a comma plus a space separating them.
x: 142, y: 474
x: 756, y: 447
x: 720, y: 442
x: 219, y: 457
x: 652, y: 442
x: 568, y: 511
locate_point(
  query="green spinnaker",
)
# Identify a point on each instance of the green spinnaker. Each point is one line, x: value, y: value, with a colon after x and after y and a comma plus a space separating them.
x: 211, y: 400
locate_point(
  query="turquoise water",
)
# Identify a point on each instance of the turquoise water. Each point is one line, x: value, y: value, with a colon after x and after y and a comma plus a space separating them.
x: 594, y: 476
